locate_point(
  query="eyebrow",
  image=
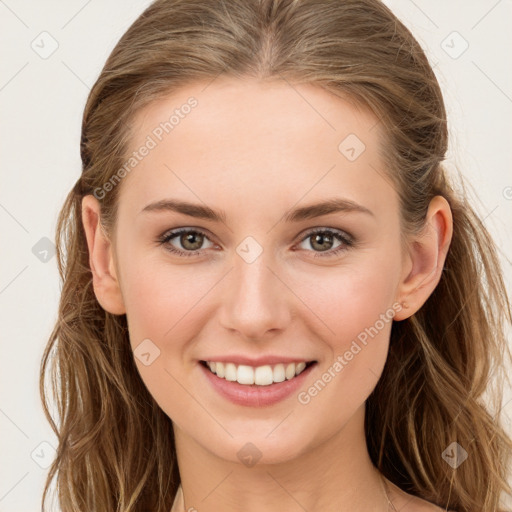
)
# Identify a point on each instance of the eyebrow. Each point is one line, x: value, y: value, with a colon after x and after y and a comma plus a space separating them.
x: 312, y: 211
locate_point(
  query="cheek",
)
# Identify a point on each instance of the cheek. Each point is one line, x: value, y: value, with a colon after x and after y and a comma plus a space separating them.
x: 159, y: 298
x: 353, y: 299
x: 355, y: 306
x: 162, y: 305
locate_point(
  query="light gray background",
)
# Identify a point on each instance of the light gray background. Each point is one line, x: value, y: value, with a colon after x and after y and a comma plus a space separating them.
x: 42, y: 101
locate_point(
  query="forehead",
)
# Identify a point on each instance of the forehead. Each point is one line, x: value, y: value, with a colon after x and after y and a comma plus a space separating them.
x: 277, y: 109
x: 255, y: 139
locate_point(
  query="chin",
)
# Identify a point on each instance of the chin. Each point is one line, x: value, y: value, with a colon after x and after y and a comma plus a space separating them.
x: 254, y: 448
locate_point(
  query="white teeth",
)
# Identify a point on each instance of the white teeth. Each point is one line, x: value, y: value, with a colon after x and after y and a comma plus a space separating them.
x: 290, y: 371
x: 245, y: 375
x: 261, y: 375
x: 219, y: 370
x: 279, y: 375
x: 230, y: 372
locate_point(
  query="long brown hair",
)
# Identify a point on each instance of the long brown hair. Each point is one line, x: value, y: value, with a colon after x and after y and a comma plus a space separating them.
x: 116, y: 446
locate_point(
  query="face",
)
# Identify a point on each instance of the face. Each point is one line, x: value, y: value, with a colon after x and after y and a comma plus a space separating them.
x: 270, y: 280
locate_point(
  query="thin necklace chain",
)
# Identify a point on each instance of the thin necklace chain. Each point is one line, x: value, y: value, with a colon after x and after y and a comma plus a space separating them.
x: 384, y: 488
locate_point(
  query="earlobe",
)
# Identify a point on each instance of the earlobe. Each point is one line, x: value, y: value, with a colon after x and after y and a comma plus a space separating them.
x: 426, y: 258
x: 101, y: 259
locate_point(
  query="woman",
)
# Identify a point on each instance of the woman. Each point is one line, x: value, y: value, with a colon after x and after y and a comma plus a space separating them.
x: 273, y: 298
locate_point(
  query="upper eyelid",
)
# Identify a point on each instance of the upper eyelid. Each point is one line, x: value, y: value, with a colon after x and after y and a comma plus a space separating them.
x: 337, y: 231
x: 186, y: 229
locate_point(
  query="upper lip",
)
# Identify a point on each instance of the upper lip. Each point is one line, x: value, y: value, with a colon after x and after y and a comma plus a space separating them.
x: 257, y: 361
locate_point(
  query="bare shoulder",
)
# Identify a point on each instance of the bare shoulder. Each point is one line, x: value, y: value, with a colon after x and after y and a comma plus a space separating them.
x: 405, y: 502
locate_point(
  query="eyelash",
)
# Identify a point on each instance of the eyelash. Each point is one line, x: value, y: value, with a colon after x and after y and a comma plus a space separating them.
x: 347, y: 241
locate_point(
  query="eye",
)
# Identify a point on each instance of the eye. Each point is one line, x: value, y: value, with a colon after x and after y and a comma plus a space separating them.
x: 322, y: 241
x: 190, y: 240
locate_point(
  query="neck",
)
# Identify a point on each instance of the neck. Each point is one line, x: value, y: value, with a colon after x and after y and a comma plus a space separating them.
x: 336, y: 474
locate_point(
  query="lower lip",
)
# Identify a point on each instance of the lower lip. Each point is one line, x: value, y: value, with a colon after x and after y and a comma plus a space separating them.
x: 256, y: 396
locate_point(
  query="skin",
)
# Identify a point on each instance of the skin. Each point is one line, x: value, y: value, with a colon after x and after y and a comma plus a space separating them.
x: 257, y: 150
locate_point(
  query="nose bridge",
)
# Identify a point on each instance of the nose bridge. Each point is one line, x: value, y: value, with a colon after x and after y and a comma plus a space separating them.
x: 255, y: 300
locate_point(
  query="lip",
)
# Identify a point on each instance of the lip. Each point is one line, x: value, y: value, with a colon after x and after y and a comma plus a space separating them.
x: 256, y: 361
x: 252, y: 395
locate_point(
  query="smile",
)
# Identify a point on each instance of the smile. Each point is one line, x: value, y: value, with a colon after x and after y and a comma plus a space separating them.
x: 260, y: 375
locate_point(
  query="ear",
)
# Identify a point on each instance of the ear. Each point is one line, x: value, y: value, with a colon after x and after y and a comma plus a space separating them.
x: 105, y: 281
x: 424, y: 261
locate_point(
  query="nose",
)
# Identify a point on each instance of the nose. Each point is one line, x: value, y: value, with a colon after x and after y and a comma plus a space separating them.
x: 255, y: 299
